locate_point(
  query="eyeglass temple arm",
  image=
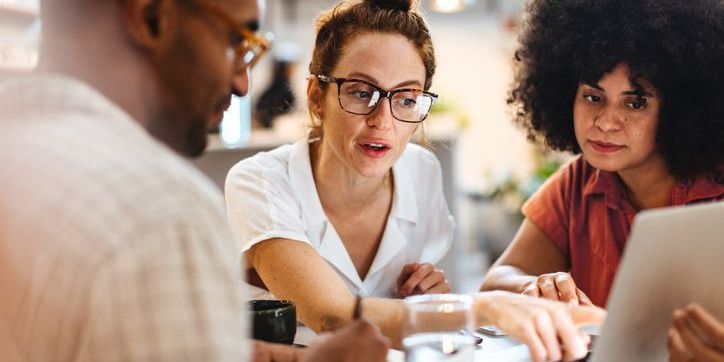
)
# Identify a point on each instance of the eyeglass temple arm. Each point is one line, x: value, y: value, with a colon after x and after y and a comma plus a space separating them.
x: 324, y: 78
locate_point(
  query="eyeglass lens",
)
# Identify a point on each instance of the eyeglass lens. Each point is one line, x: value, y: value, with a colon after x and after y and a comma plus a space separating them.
x: 407, y: 105
x: 252, y: 50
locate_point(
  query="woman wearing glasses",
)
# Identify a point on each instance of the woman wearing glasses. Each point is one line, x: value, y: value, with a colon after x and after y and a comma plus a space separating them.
x: 354, y: 191
x: 354, y: 209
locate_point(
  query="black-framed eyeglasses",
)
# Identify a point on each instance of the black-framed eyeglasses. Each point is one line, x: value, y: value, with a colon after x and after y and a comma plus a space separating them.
x: 246, y: 47
x: 360, y: 97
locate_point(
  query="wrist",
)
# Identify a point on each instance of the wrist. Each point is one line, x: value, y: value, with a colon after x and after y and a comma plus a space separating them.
x: 485, y: 306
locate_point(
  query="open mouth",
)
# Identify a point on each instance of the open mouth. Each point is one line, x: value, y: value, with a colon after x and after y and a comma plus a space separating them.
x: 374, y: 149
x: 375, y: 146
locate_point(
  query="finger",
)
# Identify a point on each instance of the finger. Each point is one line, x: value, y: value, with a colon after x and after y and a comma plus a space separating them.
x: 530, y: 337
x: 573, y: 345
x: 706, y: 324
x: 272, y: 352
x: 547, y: 334
x: 677, y: 350
x: 260, y: 353
x: 566, y: 288
x: 372, y: 340
x: 415, y: 279
x: 532, y: 291
x: 583, y: 298
x: 405, y: 273
x: 548, y: 288
x: 442, y: 288
x: 431, y: 280
x: 691, y: 340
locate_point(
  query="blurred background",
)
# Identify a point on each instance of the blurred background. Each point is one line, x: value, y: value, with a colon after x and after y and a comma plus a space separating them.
x: 489, y: 168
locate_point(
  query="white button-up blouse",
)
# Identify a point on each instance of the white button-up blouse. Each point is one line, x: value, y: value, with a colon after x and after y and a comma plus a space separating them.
x: 273, y: 195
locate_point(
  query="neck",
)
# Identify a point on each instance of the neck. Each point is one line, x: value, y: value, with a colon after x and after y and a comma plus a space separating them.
x: 648, y: 187
x: 104, y: 59
x: 339, y: 187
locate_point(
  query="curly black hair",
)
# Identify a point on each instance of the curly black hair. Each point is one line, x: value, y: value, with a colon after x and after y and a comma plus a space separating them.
x: 676, y: 45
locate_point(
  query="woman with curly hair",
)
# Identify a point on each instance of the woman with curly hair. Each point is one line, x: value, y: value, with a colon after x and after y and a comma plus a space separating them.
x: 635, y: 87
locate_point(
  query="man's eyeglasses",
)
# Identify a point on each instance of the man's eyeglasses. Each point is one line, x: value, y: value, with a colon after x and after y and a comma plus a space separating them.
x: 247, y: 47
x: 361, y: 97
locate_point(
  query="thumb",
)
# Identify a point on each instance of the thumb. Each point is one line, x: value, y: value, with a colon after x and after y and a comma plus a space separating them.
x: 407, y: 270
x: 583, y: 298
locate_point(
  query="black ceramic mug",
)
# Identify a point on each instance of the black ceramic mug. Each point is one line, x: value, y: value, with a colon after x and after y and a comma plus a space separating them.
x: 273, y: 321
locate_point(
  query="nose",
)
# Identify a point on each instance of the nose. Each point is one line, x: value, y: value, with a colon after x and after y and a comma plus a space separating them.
x: 381, y: 117
x: 240, y: 82
x: 609, y: 120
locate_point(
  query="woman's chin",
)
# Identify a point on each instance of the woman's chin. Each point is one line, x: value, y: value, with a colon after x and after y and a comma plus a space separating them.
x: 607, y: 165
x: 373, y: 170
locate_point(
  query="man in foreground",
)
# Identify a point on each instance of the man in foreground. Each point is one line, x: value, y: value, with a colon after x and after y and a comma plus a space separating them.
x: 112, y: 247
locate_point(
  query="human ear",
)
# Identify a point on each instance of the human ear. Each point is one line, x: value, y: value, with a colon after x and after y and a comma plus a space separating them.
x: 147, y: 22
x: 314, y: 97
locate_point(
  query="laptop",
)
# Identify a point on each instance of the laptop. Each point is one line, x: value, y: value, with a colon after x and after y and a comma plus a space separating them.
x: 673, y: 256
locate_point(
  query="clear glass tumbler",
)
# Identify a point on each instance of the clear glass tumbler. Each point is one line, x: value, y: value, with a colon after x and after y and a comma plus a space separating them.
x: 438, y: 327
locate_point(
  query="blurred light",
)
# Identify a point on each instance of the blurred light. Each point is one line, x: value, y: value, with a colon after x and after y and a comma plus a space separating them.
x: 447, y: 6
x: 235, y: 128
x: 450, y: 6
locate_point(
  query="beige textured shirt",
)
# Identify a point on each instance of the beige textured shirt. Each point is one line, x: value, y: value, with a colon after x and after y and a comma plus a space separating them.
x: 111, y: 246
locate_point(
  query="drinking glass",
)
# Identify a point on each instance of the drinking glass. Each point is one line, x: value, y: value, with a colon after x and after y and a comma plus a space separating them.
x: 438, y: 328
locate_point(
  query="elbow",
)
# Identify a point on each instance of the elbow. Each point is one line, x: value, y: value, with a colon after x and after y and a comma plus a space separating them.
x: 325, y: 320
x: 491, y: 281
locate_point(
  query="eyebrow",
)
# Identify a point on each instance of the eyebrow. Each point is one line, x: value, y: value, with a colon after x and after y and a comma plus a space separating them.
x: 375, y: 81
x: 639, y: 91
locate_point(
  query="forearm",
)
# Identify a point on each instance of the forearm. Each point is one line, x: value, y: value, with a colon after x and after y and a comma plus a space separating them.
x: 387, y: 315
x: 296, y: 272
x: 507, y: 277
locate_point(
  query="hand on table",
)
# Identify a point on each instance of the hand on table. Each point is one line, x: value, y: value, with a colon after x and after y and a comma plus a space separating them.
x: 548, y: 328
x: 557, y: 286
x: 423, y: 278
x: 686, y: 344
x: 272, y: 352
x: 359, y: 341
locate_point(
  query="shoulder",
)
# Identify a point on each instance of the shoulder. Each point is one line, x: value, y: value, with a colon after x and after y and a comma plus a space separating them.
x: 572, y: 176
x: 703, y: 188
x: 156, y: 189
x: 100, y: 176
x: 563, y: 189
x: 107, y: 194
x: 268, y: 186
x: 274, y: 163
x: 577, y: 169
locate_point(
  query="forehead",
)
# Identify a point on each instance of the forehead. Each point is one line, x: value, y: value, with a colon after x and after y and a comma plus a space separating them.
x: 243, y: 11
x: 619, y: 78
x: 388, y: 58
